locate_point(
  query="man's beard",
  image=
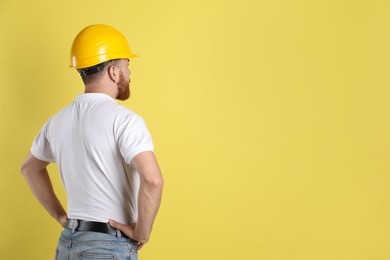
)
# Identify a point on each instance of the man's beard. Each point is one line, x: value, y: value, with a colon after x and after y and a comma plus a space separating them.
x: 123, y: 88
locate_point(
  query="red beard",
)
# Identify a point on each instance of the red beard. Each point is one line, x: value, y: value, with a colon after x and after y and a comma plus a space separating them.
x: 123, y: 88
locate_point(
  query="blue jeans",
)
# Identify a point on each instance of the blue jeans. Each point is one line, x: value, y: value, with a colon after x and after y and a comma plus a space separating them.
x: 85, y: 245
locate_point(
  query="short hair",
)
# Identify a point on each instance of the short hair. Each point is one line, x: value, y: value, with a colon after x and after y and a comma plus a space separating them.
x: 94, y: 73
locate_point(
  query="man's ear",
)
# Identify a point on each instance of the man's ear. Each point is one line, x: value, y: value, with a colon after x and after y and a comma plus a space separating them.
x: 113, y: 73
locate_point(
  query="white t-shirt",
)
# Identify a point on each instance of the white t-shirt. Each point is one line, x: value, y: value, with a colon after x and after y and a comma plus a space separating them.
x: 93, y: 140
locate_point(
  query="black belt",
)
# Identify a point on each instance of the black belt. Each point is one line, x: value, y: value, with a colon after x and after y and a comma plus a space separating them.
x: 81, y: 225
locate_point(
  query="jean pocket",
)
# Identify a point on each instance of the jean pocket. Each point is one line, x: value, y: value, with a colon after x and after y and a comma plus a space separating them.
x: 89, y: 256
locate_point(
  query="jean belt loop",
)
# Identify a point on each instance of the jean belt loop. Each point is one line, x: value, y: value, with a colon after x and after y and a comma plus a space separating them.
x: 118, y: 233
x: 75, y: 225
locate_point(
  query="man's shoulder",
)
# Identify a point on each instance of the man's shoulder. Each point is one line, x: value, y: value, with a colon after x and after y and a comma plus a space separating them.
x: 123, y: 110
x: 126, y: 115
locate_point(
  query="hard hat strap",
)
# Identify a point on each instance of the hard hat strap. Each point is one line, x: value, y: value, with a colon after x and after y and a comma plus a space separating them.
x: 92, y: 70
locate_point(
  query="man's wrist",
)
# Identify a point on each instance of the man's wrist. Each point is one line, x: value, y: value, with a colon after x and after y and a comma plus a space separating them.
x: 141, y: 237
x: 62, y: 219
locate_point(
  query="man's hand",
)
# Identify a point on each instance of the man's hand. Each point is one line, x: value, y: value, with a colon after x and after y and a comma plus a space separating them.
x: 128, y: 230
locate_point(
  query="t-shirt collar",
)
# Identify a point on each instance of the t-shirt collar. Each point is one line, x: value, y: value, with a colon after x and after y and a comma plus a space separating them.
x: 93, y: 96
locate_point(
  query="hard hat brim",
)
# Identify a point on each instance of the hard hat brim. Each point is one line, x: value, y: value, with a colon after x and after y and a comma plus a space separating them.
x: 87, y: 62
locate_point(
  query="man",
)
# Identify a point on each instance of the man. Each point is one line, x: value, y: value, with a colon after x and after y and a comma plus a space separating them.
x: 105, y: 156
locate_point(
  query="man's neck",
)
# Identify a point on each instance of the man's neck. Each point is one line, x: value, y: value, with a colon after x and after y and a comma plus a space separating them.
x: 101, y: 88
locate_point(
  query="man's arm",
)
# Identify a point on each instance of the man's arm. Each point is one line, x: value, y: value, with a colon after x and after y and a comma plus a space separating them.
x: 149, y: 198
x: 37, y: 177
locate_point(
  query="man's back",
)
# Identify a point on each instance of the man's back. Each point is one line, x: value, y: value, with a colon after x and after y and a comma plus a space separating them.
x: 93, y: 140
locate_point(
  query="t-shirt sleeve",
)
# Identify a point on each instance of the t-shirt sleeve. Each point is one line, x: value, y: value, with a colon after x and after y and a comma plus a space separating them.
x: 133, y: 137
x: 41, y: 146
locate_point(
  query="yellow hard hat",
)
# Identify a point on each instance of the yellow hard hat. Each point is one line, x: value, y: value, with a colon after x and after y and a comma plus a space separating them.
x: 96, y: 44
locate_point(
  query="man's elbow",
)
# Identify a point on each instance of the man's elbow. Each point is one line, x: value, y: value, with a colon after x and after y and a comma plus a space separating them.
x: 156, y: 182
x: 24, y: 169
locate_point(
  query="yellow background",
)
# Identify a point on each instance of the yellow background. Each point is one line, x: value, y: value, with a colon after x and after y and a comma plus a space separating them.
x: 270, y: 121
